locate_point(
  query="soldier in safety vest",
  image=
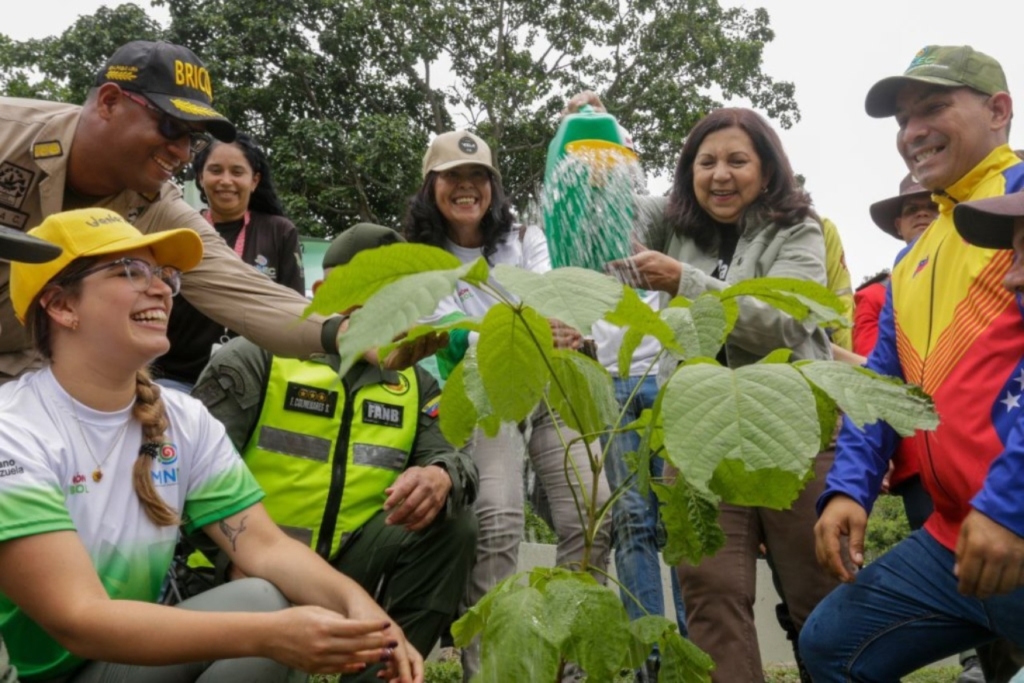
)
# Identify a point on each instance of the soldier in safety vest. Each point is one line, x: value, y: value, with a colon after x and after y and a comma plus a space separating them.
x: 357, y: 468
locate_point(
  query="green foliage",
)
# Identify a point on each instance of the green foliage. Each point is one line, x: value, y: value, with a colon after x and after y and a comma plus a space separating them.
x: 887, y: 526
x: 691, y: 521
x: 864, y: 396
x: 397, y: 307
x: 745, y: 435
x: 575, y: 296
x: 564, y: 616
x: 370, y: 270
x: 345, y: 94
x: 754, y: 421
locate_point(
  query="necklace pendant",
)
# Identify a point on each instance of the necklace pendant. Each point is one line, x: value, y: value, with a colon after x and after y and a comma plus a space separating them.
x: 97, y: 475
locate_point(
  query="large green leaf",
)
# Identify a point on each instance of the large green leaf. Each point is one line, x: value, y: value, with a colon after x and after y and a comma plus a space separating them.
x: 472, y: 623
x: 691, y: 522
x: 519, y: 641
x: 700, y: 326
x: 514, y: 349
x: 599, y: 638
x: 763, y: 416
x: 576, y: 296
x: 587, y: 403
x: 630, y: 341
x: 369, y: 271
x: 768, y: 487
x: 798, y: 298
x: 489, y: 422
x: 866, y: 396
x: 456, y: 413
x: 634, y: 313
x: 398, y: 306
x: 681, y: 660
x: 422, y: 330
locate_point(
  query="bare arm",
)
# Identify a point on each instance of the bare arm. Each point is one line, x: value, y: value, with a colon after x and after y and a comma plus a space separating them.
x: 259, y: 548
x: 82, y: 618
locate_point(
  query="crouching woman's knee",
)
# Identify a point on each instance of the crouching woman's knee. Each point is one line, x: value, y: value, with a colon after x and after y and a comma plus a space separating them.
x: 243, y: 595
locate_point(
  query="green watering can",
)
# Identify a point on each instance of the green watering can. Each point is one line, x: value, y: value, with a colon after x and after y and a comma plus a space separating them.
x: 587, y: 199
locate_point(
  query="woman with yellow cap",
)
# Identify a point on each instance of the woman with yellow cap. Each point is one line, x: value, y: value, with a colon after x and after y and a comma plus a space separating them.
x: 98, y: 469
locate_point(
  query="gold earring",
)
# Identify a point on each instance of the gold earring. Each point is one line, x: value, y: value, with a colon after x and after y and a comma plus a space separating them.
x: 71, y: 322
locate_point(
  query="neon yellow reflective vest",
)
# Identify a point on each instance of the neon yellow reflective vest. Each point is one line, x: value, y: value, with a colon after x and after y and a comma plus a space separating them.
x: 324, y: 458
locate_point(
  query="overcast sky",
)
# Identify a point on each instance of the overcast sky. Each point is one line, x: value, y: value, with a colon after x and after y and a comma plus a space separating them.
x: 833, y: 51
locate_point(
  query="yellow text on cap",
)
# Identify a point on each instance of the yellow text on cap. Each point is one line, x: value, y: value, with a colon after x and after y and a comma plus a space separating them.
x: 192, y: 76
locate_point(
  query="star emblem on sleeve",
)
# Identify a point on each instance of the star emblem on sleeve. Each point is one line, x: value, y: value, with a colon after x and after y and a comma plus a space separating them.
x: 1012, y: 400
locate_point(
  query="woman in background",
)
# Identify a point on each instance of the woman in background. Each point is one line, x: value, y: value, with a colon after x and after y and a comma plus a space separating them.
x: 734, y: 213
x: 234, y: 181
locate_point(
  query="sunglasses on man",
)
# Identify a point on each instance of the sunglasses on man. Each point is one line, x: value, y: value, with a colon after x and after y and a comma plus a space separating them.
x: 171, y: 128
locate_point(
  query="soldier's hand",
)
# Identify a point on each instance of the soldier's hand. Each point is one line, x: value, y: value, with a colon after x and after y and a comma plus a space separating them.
x: 417, y: 496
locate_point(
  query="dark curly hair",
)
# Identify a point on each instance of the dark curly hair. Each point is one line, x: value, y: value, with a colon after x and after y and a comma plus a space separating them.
x: 264, y: 198
x: 424, y: 223
x: 784, y: 199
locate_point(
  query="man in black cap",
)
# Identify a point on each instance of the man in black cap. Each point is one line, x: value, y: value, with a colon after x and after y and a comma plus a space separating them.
x: 358, y: 469
x: 150, y: 111
x: 950, y: 327
x: 17, y: 246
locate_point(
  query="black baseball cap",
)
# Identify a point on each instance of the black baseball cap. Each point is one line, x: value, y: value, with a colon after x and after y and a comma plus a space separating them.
x: 172, y: 78
x: 17, y: 246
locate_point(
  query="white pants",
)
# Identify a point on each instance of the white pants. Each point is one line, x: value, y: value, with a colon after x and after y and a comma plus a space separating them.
x: 499, y: 505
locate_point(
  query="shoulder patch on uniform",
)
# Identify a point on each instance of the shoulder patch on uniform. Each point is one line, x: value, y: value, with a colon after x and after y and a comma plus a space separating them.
x: 14, y: 184
x: 432, y: 407
x: 210, y: 392
x: 47, y: 150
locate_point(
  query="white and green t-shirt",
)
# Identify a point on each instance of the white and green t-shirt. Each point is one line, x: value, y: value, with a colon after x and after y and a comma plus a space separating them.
x: 49, y: 447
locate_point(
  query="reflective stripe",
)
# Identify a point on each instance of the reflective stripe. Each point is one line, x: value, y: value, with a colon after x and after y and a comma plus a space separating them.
x: 379, y: 456
x: 292, y: 443
x: 303, y: 536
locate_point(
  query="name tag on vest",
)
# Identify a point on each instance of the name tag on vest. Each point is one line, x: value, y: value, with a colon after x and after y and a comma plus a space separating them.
x: 311, y: 400
x: 383, y: 414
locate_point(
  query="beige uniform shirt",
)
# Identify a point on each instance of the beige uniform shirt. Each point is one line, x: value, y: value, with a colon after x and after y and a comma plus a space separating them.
x: 35, y: 141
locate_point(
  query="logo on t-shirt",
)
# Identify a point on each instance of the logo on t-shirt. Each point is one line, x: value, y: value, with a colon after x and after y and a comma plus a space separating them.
x: 165, y: 466
x: 77, y: 485
x: 10, y: 468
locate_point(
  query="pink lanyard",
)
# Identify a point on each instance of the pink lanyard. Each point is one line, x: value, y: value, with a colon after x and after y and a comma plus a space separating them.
x: 240, y: 241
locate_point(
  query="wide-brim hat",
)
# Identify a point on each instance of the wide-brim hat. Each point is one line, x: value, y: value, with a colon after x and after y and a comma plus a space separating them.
x: 97, y: 232
x: 170, y: 76
x: 17, y: 246
x: 885, y: 212
x: 945, y: 66
x: 457, y: 148
x: 989, y: 223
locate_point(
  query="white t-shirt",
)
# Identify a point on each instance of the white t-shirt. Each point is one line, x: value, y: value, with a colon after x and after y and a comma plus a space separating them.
x: 608, y: 338
x: 46, y: 485
x: 530, y: 254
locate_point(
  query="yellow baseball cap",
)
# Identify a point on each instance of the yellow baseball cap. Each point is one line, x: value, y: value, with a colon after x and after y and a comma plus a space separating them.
x: 96, y: 232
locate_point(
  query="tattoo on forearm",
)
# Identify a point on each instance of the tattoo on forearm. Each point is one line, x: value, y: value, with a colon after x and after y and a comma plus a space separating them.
x: 232, y: 533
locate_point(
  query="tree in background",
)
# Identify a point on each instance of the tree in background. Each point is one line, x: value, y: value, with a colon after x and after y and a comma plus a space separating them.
x: 346, y: 94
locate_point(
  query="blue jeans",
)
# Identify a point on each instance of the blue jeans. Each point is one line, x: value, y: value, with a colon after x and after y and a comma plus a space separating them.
x: 636, y: 536
x: 902, y: 613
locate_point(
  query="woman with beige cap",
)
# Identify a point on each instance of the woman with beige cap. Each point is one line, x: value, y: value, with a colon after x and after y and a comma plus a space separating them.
x: 98, y: 469
x: 461, y: 207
